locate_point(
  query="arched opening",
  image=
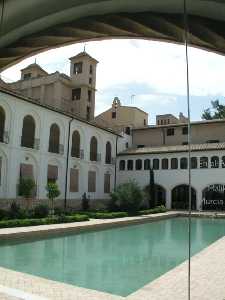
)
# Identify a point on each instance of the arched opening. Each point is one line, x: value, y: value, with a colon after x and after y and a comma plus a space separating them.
x: 155, y: 164
x: 183, y: 163
x: 174, y: 163
x: 194, y: 163
x: 2, y: 124
x: 122, y: 165
x: 180, y: 197
x: 204, y: 162
x: 213, y: 197
x: 215, y: 162
x: 28, y: 132
x: 130, y: 165
x: 75, y: 149
x: 54, y: 139
x: 138, y: 164
x: 108, y: 153
x: 165, y: 164
x: 147, y: 164
x: 93, y: 149
x: 160, y: 194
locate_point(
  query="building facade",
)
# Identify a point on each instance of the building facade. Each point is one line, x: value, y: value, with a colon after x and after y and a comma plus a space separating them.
x: 122, y: 118
x: 34, y: 141
x: 74, y: 94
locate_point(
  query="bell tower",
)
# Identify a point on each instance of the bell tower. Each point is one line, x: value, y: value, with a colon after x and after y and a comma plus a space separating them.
x: 83, y: 77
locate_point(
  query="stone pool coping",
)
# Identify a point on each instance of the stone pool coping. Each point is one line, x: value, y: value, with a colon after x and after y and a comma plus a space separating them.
x: 171, y: 285
x: 94, y: 224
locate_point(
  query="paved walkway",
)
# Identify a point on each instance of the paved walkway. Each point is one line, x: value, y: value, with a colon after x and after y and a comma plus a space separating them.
x: 207, y: 277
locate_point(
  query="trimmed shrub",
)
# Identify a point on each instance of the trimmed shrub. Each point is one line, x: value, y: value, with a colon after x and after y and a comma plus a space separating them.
x: 26, y: 187
x: 41, y: 211
x: 127, y: 197
x: 156, y: 210
x: 107, y: 215
x: 15, y: 211
x: 35, y: 222
x: 3, y: 214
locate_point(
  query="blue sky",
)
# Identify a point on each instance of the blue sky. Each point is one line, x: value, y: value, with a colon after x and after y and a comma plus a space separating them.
x: 152, y: 71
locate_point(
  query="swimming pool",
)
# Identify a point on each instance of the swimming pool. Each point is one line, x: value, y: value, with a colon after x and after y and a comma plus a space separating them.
x: 119, y: 260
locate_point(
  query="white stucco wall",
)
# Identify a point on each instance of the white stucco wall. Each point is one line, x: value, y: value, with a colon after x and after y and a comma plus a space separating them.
x: 13, y: 154
x: 201, y: 178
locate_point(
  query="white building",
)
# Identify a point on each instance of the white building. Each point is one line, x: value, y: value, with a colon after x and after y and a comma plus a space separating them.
x: 170, y: 165
x: 34, y: 143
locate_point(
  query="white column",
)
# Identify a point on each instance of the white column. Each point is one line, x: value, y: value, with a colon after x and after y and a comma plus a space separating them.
x: 168, y: 199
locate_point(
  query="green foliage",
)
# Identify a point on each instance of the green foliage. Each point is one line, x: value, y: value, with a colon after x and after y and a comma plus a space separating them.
x: 43, y: 221
x: 15, y: 211
x: 156, y: 210
x: 52, y: 190
x: 41, y: 211
x: 3, y: 214
x: 127, y: 197
x: 26, y: 187
x: 52, y: 193
x: 107, y: 215
x: 216, y: 112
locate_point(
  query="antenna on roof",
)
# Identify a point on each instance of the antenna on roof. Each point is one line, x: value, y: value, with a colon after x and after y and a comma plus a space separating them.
x: 132, y: 99
x: 35, y: 60
x: 85, y: 47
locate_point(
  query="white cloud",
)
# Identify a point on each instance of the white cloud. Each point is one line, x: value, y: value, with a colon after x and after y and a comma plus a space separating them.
x: 160, y: 67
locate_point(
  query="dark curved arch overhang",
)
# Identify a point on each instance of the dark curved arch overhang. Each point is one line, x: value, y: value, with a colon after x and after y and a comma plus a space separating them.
x: 30, y: 27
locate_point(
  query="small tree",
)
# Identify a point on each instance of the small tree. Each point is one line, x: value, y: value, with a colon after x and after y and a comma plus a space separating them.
x: 53, y: 192
x: 127, y: 197
x: 26, y: 187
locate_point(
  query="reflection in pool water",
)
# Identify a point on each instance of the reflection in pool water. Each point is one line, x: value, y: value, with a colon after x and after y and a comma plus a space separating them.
x: 118, y: 261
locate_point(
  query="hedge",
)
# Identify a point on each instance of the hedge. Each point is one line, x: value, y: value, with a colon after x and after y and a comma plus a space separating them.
x: 43, y: 221
x: 156, y: 210
x: 107, y: 215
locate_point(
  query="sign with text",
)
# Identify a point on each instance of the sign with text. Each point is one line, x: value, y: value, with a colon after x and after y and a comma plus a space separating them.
x: 213, y: 197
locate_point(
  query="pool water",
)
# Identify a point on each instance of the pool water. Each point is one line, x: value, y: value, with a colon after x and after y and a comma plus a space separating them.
x: 119, y: 260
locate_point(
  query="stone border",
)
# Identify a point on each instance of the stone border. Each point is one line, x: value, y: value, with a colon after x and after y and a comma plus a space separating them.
x: 207, y: 278
x: 93, y: 224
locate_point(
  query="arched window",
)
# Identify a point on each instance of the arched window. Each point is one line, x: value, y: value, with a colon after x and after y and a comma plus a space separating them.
x: 204, y: 162
x: 108, y: 153
x: 28, y: 132
x: 138, y: 164
x: 174, y: 163
x: 183, y: 163
x: 93, y: 149
x: 214, y: 162
x: 223, y: 162
x: 54, y: 139
x: 2, y: 124
x: 180, y: 197
x: 194, y: 163
x: 147, y: 164
x: 130, y: 165
x: 75, y: 149
x: 155, y: 163
x: 165, y: 164
x: 122, y: 165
